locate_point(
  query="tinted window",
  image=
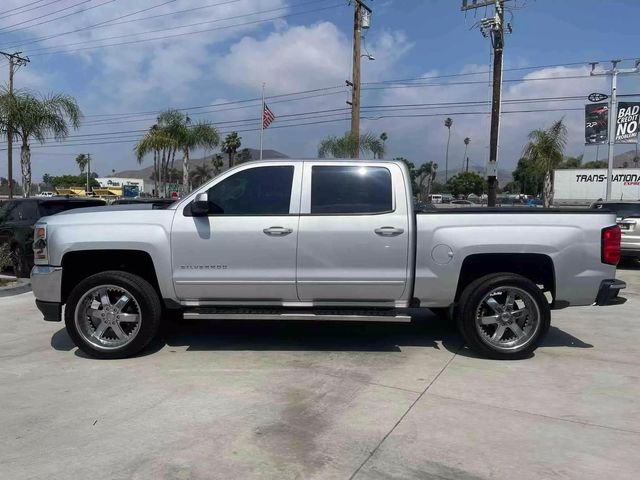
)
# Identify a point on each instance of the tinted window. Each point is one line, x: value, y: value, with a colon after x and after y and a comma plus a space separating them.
x: 620, y: 209
x: 336, y: 189
x: 53, y: 207
x: 255, y: 191
x: 24, y: 211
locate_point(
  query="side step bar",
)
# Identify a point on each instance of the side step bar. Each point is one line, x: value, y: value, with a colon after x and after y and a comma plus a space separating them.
x: 313, y: 315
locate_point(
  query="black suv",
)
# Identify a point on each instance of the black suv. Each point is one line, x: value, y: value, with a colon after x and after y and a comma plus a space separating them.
x: 17, y: 218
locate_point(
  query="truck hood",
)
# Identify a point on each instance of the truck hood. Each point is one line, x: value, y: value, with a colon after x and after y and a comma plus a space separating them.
x: 112, y: 215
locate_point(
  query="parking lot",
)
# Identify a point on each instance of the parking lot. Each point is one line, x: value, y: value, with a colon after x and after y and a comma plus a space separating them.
x: 301, y: 400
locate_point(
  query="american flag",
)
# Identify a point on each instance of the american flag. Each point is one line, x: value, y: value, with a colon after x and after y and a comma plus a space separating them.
x: 267, y: 116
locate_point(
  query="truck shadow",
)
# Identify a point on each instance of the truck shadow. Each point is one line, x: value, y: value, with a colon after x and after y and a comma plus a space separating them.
x: 424, y: 331
x: 629, y: 264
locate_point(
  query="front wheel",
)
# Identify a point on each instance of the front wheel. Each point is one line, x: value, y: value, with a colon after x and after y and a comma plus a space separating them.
x: 503, y: 316
x: 113, y: 314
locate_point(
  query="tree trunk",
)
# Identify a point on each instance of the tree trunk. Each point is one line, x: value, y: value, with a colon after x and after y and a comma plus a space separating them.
x: 155, y: 173
x: 25, y: 163
x: 186, y: 187
x: 163, y: 173
x: 547, y: 192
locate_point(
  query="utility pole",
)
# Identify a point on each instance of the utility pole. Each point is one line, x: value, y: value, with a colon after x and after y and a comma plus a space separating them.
x: 494, y: 29
x: 88, y: 171
x: 613, y: 110
x: 15, y: 60
x: 358, y: 16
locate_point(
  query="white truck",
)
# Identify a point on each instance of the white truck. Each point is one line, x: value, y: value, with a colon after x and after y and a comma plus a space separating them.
x: 319, y: 240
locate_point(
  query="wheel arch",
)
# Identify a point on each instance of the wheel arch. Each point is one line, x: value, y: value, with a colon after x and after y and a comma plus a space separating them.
x: 78, y: 265
x: 538, y: 268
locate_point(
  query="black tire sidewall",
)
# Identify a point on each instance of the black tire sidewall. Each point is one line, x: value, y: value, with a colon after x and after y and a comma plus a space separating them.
x: 473, y: 294
x: 144, y: 294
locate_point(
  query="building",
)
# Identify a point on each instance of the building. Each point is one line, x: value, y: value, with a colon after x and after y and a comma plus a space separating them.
x: 115, y: 185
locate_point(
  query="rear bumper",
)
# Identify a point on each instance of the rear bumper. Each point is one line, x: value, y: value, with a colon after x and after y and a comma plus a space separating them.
x: 609, y: 290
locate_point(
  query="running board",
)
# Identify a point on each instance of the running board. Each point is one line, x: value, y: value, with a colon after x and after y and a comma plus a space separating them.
x: 317, y: 315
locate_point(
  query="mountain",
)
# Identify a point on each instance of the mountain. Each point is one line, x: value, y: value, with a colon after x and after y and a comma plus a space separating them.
x: 145, y: 173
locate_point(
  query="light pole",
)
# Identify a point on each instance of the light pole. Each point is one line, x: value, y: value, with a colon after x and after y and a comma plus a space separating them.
x: 613, y: 114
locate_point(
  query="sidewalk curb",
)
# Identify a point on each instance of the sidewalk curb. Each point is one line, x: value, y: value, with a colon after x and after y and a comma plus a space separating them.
x: 24, y: 286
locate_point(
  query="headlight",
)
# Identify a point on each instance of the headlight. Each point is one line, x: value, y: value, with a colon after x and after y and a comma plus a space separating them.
x: 40, y: 252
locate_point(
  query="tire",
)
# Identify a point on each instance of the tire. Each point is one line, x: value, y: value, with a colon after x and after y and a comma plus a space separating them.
x: 493, y: 329
x: 118, y: 326
x: 21, y: 267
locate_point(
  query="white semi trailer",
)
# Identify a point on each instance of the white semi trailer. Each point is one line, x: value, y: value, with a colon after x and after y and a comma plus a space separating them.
x: 583, y: 186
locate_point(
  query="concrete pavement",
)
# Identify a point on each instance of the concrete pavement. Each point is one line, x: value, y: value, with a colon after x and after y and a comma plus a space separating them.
x: 316, y: 401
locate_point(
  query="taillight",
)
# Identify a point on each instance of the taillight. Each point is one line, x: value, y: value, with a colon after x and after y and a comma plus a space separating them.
x: 611, y: 237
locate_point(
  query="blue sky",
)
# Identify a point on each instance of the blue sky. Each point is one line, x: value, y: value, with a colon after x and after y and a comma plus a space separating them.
x: 309, y: 51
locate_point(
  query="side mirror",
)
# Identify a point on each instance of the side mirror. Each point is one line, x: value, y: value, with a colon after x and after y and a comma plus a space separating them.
x: 200, y: 206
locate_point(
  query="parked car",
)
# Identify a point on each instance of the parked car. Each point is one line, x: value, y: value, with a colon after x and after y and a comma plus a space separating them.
x: 157, y: 203
x: 628, y: 218
x: 319, y: 240
x: 46, y: 194
x: 17, y: 218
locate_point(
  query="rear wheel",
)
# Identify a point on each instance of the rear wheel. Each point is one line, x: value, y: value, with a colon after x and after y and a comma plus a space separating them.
x: 503, y: 316
x: 113, y: 314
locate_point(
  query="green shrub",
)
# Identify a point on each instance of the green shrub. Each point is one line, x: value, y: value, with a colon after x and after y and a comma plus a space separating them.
x: 5, y: 256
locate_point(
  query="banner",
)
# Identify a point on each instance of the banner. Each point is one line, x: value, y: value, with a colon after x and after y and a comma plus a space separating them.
x: 596, y: 124
x: 627, y: 122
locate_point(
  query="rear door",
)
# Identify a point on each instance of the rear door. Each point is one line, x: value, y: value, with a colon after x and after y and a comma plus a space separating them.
x: 353, y: 243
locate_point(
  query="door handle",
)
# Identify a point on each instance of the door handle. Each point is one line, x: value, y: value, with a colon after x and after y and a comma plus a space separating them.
x: 277, y: 231
x: 389, y: 231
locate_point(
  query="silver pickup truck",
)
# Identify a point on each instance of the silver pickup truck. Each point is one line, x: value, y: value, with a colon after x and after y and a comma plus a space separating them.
x: 319, y: 240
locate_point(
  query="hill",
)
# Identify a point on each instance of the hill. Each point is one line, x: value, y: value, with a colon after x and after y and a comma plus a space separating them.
x: 145, y: 173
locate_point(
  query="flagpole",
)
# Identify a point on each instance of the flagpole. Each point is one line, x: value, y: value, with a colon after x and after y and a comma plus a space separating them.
x: 262, y: 121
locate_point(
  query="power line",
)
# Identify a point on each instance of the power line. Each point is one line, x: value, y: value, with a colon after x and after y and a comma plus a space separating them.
x: 4, y: 14
x: 112, y: 22
x: 256, y: 128
x: 164, y: 37
x: 46, y: 15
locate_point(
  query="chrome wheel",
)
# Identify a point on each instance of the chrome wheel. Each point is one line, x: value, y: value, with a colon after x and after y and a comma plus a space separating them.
x: 108, y: 317
x: 507, y: 318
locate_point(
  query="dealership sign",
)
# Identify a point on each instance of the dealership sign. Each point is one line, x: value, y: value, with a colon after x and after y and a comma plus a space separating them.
x: 596, y: 126
x: 627, y: 122
x: 597, y: 97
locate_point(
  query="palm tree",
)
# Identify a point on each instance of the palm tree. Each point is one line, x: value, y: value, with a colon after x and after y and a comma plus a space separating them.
x: 447, y: 123
x: 82, y: 160
x: 157, y: 141
x: 200, y: 135
x: 466, y: 141
x: 384, y: 137
x: 426, y: 174
x: 545, y: 150
x: 200, y: 174
x: 231, y: 145
x: 342, y: 147
x: 36, y: 118
x: 217, y: 163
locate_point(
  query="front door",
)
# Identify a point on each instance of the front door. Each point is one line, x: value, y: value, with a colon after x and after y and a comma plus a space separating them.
x: 353, y: 244
x: 246, y: 250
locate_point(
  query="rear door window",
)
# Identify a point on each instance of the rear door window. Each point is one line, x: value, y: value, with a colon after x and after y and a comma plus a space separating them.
x: 350, y: 190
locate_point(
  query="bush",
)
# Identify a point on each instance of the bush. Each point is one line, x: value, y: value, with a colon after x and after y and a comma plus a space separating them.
x: 5, y: 256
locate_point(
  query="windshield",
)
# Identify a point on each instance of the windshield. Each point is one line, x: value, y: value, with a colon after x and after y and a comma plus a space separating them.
x: 621, y: 209
x: 51, y: 208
